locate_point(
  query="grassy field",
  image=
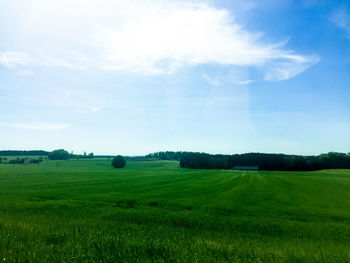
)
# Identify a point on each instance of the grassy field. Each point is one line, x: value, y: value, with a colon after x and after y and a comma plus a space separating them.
x: 86, y: 211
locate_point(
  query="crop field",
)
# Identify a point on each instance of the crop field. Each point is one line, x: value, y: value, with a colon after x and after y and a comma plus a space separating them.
x: 154, y: 211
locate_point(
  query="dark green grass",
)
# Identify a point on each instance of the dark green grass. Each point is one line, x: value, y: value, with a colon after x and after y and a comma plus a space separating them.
x: 87, y: 211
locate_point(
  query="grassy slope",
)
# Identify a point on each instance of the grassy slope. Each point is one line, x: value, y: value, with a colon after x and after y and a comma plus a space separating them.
x: 86, y: 211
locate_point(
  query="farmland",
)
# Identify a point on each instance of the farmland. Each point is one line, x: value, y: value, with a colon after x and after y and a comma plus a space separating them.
x: 154, y: 211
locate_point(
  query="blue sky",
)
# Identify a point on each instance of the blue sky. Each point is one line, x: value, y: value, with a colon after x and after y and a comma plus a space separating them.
x: 133, y: 77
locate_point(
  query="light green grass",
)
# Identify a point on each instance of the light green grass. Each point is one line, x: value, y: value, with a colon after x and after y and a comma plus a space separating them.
x: 87, y: 211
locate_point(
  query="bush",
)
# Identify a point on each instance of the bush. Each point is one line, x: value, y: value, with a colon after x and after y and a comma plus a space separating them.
x: 118, y: 162
x: 16, y: 161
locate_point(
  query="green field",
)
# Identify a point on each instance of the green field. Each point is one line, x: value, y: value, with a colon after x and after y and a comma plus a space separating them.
x: 86, y: 211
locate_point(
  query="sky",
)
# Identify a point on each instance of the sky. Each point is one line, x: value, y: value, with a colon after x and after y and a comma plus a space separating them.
x: 134, y: 77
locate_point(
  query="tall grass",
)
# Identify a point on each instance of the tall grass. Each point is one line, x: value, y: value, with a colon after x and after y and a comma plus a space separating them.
x: 87, y: 211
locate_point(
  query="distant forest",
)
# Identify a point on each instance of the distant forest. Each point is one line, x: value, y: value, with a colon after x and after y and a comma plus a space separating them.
x: 265, y: 161
x: 197, y: 160
x: 24, y: 153
x: 166, y: 155
x: 59, y: 154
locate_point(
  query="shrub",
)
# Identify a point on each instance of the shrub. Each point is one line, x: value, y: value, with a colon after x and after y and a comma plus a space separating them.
x: 16, y: 161
x: 118, y: 162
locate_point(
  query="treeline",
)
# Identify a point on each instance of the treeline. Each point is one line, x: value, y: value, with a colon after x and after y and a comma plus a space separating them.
x: 26, y: 160
x: 24, y: 153
x: 62, y: 154
x: 264, y: 161
x: 137, y: 158
x: 168, y: 155
x: 83, y: 156
x: 59, y: 154
x: 278, y: 162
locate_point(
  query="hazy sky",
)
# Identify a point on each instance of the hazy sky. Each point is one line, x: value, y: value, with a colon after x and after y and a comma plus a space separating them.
x: 133, y: 77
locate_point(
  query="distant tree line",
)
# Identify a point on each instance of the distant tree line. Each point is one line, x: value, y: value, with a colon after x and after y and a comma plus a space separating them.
x: 59, y: 154
x: 84, y: 156
x: 23, y: 153
x: 279, y: 162
x: 168, y: 155
x: 265, y: 161
x: 136, y: 158
x: 19, y: 160
x: 103, y: 156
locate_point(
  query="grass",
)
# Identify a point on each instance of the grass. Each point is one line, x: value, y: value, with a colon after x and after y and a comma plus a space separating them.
x: 87, y: 211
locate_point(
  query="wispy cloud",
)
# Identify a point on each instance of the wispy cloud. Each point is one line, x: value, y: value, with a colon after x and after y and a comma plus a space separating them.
x: 286, y: 69
x: 230, y: 76
x: 11, y: 59
x: 341, y: 18
x: 89, y: 109
x: 211, y: 80
x: 144, y: 37
x: 25, y: 73
x: 35, y: 126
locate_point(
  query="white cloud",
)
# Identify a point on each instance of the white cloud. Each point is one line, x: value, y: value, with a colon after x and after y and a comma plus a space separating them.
x: 341, y: 17
x: 11, y: 59
x: 89, y: 109
x: 144, y: 37
x: 233, y: 75
x: 25, y: 73
x: 245, y: 82
x: 35, y: 126
x: 282, y: 70
x: 211, y: 80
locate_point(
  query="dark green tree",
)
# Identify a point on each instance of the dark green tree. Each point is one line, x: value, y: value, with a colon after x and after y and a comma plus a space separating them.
x: 59, y: 154
x: 118, y: 162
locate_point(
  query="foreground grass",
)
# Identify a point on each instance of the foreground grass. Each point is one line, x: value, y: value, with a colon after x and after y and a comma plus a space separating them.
x: 86, y: 211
